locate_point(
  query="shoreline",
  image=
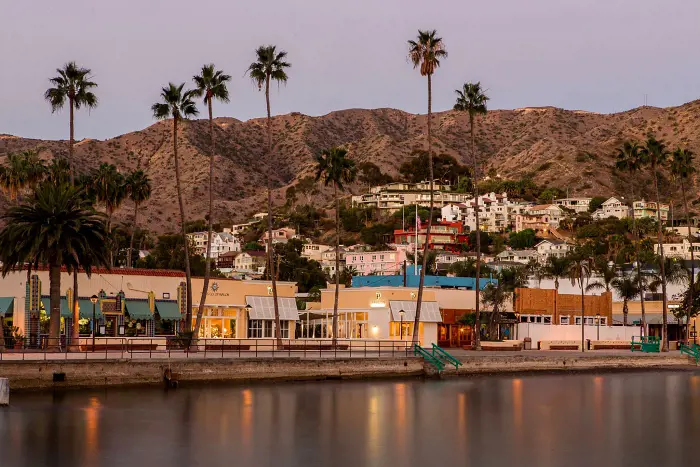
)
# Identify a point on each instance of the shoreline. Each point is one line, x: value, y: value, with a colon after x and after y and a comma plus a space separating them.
x: 82, y: 374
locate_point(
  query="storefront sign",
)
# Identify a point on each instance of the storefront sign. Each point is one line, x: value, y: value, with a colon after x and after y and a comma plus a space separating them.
x: 215, y: 291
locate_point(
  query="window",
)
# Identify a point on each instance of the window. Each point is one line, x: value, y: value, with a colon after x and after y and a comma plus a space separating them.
x: 255, y: 328
x: 166, y: 295
x: 589, y: 321
x: 564, y: 320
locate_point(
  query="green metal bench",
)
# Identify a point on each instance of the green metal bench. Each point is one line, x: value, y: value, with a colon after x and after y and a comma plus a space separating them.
x: 440, y: 353
x: 646, y: 344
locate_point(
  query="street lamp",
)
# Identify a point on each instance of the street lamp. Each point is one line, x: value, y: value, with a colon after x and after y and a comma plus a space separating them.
x: 597, y: 319
x: 517, y: 322
x: 401, y: 313
x: 93, y: 299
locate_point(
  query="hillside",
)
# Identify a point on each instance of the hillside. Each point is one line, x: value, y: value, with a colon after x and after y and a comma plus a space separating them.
x: 560, y: 148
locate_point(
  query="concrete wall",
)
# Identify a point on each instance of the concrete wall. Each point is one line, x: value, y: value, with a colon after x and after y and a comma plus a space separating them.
x: 539, y: 332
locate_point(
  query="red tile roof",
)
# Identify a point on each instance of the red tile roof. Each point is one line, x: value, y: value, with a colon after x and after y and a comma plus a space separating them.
x: 127, y: 272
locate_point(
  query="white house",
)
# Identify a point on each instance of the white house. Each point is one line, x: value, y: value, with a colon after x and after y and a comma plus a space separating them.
x: 649, y: 209
x: 540, y: 218
x: 328, y: 261
x: 222, y: 242
x: 613, y: 207
x: 519, y: 256
x: 496, y: 212
x: 575, y: 204
x: 552, y: 248
x: 251, y: 262
x: 679, y: 250
x: 314, y: 251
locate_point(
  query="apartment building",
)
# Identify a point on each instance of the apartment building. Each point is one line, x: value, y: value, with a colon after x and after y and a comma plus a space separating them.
x: 449, y: 236
x: 222, y: 242
x: 540, y: 218
x: 575, y: 204
x: 380, y: 263
x: 251, y: 261
x: 650, y: 209
x: 679, y: 250
x: 496, y: 212
x: 392, y: 197
x: 328, y: 260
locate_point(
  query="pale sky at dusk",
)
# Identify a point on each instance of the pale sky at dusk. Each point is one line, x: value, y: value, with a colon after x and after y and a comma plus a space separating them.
x: 598, y: 55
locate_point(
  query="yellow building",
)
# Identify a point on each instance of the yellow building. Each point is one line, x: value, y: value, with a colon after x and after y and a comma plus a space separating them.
x: 244, y: 309
x: 382, y: 313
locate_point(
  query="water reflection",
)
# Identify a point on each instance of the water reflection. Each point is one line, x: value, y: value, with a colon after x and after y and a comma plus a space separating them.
x: 573, y: 420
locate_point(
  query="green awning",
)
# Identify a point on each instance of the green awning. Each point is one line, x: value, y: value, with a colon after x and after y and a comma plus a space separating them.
x: 168, y: 311
x: 138, y: 309
x: 85, y: 307
x: 65, y: 312
x: 6, y: 305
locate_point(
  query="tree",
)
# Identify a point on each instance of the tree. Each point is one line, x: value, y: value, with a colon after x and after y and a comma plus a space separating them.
x: 138, y: 188
x: 446, y: 168
x: 270, y: 65
x: 72, y: 84
x: 23, y: 171
x: 371, y: 175
x: 58, y: 228
x: 210, y: 84
x: 556, y: 268
x: 425, y: 53
x: 682, y: 169
x: 607, y: 273
x: 596, y: 203
x: 334, y: 168
x: 472, y: 99
x: 627, y: 288
x: 654, y: 155
x: 689, y: 309
x: 629, y: 159
x: 579, y: 272
x: 522, y: 240
x: 495, y: 296
x: 178, y: 104
x: 108, y: 186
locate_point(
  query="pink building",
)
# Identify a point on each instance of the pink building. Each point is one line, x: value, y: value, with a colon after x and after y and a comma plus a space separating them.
x: 380, y: 263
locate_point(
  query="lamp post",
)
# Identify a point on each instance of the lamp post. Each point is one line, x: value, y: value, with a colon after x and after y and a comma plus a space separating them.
x: 597, y: 320
x: 517, y: 322
x: 401, y: 313
x: 93, y: 299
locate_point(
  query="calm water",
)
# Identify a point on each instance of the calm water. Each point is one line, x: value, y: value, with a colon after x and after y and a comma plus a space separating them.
x: 648, y: 419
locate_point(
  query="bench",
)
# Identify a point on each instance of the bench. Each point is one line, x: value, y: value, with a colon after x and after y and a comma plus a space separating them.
x: 559, y: 345
x: 226, y: 347
x: 564, y: 347
x: 118, y: 347
x: 645, y: 344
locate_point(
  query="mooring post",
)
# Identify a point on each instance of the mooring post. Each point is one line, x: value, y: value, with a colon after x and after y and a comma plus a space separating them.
x: 4, y: 392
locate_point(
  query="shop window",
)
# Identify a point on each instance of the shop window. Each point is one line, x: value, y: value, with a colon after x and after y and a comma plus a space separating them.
x: 564, y: 320
x: 255, y: 328
x: 284, y: 329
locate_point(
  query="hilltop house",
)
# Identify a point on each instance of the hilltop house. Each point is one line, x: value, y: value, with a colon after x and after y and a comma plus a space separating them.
x: 613, y: 207
x: 282, y: 235
x: 393, y: 196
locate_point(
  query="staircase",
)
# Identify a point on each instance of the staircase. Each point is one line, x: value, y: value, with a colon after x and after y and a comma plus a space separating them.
x: 437, y: 357
x: 441, y: 354
x: 428, y: 357
x: 692, y: 351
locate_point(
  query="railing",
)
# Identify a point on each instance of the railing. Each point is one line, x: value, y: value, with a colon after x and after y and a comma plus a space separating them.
x: 437, y: 363
x: 170, y: 347
x: 693, y: 351
x: 441, y: 354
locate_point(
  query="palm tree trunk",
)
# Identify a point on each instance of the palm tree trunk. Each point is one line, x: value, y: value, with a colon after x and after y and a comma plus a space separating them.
x: 55, y: 313
x: 207, y: 267
x: 583, y: 313
x: 691, y: 291
x: 419, y: 301
x: 625, y: 310
x: 71, y: 141
x: 337, y: 264
x: 477, y: 340
x: 662, y: 267
x: 270, y: 250
x: 183, y: 221
x: 640, y: 284
x: 129, y: 260
x: 110, y: 240
x: 75, y: 332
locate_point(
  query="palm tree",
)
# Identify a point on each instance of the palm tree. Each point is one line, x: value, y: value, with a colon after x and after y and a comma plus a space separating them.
x: 138, y: 188
x: 57, y: 227
x: 425, y: 53
x: 579, y: 272
x: 335, y: 169
x: 629, y: 160
x: 655, y: 155
x: 682, y: 169
x: 108, y: 187
x: 628, y: 289
x: 177, y: 104
x: 72, y: 83
x: 210, y: 84
x: 270, y: 65
x: 607, y: 273
x: 472, y: 99
x: 556, y: 268
x: 23, y: 171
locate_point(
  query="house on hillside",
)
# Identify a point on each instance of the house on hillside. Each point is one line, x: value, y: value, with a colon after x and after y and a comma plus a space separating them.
x: 519, y: 256
x: 575, y: 204
x: 540, y: 218
x: 552, y: 248
x: 315, y: 251
x: 251, y: 262
x: 613, y: 207
x: 679, y: 250
x: 650, y: 209
x: 380, y: 263
x: 222, y: 242
x: 282, y: 235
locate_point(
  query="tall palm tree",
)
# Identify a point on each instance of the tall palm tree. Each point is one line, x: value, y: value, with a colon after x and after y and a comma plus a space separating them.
x: 108, y: 187
x: 629, y: 159
x: 682, y: 169
x: 579, y: 272
x: 425, y: 53
x: 628, y: 289
x: 138, y: 188
x: 270, y: 65
x: 607, y: 273
x: 655, y: 155
x: 178, y: 104
x: 472, y: 99
x: 210, y: 84
x: 57, y: 227
x: 23, y: 171
x: 556, y: 268
x: 334, y: 167
x: 72, y: 84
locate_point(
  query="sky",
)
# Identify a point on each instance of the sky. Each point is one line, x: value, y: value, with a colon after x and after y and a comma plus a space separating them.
x: 596, y: 55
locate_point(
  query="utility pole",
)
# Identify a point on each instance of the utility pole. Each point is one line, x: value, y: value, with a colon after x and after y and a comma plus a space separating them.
x: 404, y: 273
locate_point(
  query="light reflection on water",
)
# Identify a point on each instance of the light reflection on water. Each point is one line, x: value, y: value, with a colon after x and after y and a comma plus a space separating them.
x: 641, y: 419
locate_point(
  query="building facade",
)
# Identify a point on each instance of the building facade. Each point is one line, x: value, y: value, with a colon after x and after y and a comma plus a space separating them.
x: 679, y: 250
x: 394, y: 196
x: 448, y: 236
x: 540, y: 218
x: 379, y: 263
x: 222, y: 242
x: 613, y: 207
x: 552, y: 249
x: 644, y: 209
x: 496, y: 212
x: 574, y: 204
x: 519, y: 256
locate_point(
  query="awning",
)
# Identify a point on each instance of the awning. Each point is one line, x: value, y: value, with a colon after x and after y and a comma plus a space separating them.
x: 168, y: 311
x: 6, y: 305
x: 138, y: 309
x: 429, y: 311
x: 85, y: 308
x: 65, y: 311
x: 264, y: 308
x: 651, y: 318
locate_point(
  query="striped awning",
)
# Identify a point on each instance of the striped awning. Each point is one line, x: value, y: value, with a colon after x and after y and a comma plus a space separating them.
x: 138, y: 309
x: 6, y: 305
x: 429, y: 311
x: 168, y: 310
x: 85, y: 308
x: 264, y: 308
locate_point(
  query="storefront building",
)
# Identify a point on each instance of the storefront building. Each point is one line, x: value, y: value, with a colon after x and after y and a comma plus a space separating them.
x: 244, y: 309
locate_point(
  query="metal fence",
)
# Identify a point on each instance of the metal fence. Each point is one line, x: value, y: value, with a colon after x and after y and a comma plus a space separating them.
x: 179, y: 348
